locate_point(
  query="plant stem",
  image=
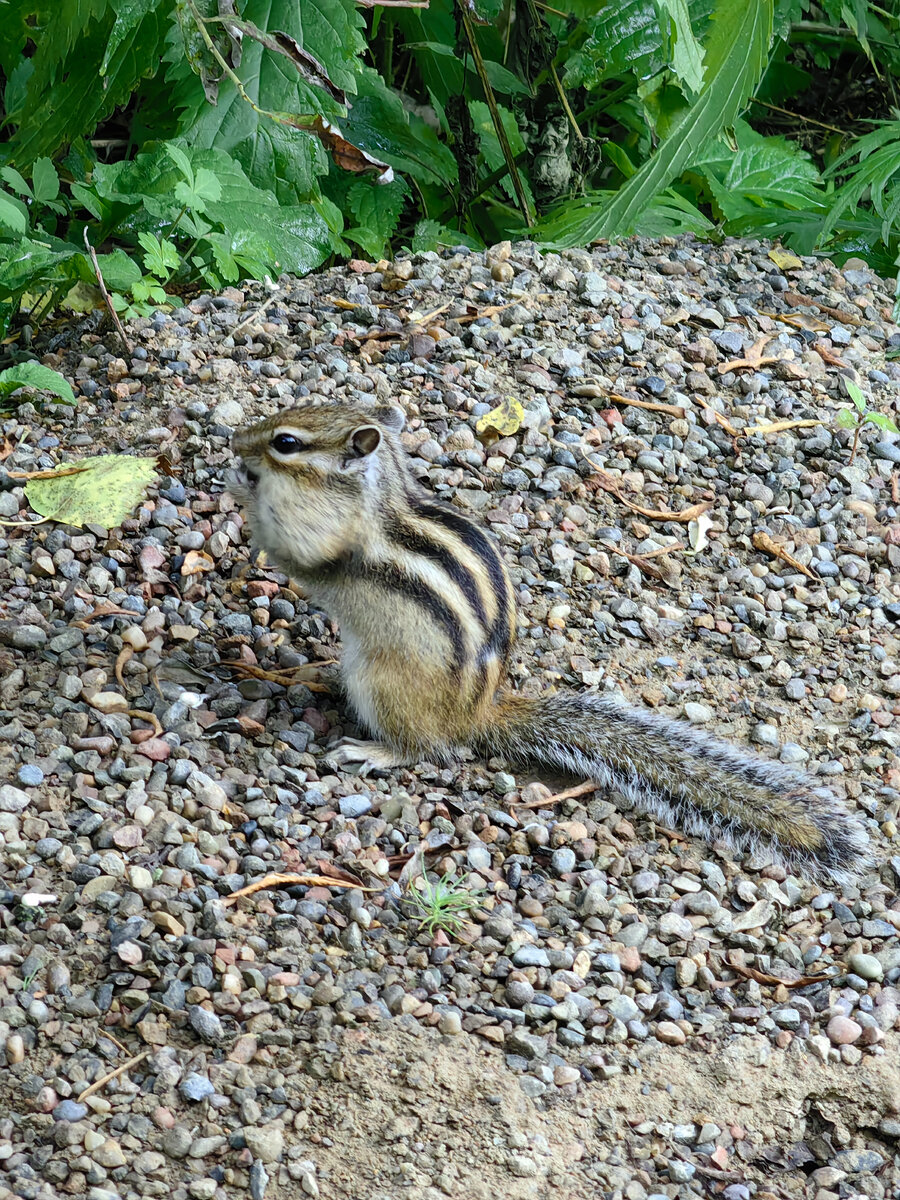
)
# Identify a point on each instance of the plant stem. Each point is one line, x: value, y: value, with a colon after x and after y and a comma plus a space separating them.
x: 855, y: 443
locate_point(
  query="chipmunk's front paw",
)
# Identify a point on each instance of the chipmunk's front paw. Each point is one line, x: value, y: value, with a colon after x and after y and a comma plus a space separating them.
x: 374, y: 756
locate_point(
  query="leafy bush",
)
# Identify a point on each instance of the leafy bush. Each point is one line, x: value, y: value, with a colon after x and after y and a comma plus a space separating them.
x: 205, y: 141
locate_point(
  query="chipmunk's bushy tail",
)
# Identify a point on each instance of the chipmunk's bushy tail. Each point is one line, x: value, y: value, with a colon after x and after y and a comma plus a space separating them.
x: 686, y: 778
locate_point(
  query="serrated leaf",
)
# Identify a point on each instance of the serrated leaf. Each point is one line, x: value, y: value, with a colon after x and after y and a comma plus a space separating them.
x: 754, y: 172
x: 16, y: 181
x: 273, y: 156
x: 160, y: 257
x: 44, y: 180
x: 736, y: 53
x: 35, y: 375
x: 686, y: 52
x: 376, y: 208
x: 506, y: 418
x: 129, y: 13
x: 63, y: 105
x: 846, y: 419
x: 426, y: 236
x: 105, y: 491
x: 13, y: 214
x: 380, y: 125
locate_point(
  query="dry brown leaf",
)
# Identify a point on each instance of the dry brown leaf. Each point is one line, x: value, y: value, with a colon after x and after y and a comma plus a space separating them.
x: 762, y: 541
x: 672, y: 410
x: 197, y: 562
x: 754, y: 358
x: 778, y: 426
x: 291, y: 880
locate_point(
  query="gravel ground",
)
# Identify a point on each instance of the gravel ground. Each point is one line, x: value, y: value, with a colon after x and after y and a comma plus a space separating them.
x: 627, y: 1012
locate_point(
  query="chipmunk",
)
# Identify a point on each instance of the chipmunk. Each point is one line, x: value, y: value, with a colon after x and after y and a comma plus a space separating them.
x: 428, y: 620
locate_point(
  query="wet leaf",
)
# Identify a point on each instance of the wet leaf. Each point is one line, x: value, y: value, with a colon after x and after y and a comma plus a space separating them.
x: 105, y: 491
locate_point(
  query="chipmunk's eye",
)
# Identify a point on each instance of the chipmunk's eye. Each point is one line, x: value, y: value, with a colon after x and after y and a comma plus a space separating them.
x: 285, y: 443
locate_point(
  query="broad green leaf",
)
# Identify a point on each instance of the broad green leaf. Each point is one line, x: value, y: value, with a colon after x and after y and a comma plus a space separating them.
x: 13, y: 214
x: 271, y: 154
x: 118, y: 269
x: 44, y: 180
x: 455, y: 70
x: 629, y: 37
x: 129, y: 14
x: 846, y: 419
x: 31, y: 264
x: 736, y: 53
x: 37, y: 376
x: 379, y: 124
x: 104, y: 491
x: 760, y: 172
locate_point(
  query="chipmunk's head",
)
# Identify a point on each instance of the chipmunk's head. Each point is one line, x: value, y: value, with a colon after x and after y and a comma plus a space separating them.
x: 311, y: 474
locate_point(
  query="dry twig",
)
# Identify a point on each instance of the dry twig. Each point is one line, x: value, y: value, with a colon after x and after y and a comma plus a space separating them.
x: 99, y: 1083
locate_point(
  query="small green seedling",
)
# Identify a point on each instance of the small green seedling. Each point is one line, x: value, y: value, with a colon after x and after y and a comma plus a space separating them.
x: 854, y: 418
x: 441, y: 905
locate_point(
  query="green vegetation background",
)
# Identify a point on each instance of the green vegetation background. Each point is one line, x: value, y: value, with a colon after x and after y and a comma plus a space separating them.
x: 199, y: 142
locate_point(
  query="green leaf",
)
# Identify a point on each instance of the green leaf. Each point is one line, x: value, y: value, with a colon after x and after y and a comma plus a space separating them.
x: 37, y: 376
x: 883, y: 421
x: 288, y: 161
x: 118, y: 269
x: 687, y: 55
x: 376, y: 208
x: 633, y: 36
x: 16, y: 181
x: 490, y: 143
x: 13, y: 214
x: 500, y: 79
x: 759, y: 173
x: 855, y: 394
x: 736, y: 54
x: 846, y: 419
x: 874, y: 177
x: 199, y: 192
x: 161, y: 258
x: 105, y: 491
x: 44, y: 180
x: 66, y: 95
x: 129, y: 14
x: 426, y: 236
x: 379, y: 124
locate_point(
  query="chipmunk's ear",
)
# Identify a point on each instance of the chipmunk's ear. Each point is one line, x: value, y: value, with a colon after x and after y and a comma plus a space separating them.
x: 363, y: 441
x: 391, y: 416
